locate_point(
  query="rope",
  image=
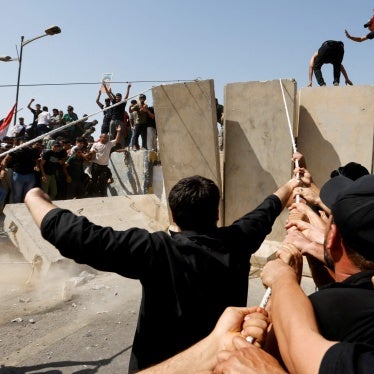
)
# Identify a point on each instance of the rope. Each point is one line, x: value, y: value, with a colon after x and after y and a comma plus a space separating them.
x: 90, y: 83
x: 41, y: 137
x: 267, y: 294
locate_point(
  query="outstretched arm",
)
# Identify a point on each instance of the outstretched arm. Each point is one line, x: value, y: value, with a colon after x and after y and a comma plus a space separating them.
x: 203, y: 355
x: 39, y: 204
x: 284, y: 192
x: 358, y: 39
x: 301, y: 345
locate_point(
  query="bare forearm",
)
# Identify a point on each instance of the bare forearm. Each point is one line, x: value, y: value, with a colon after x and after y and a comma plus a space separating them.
x: 199, y: 357
x: 284, y: 192
x: 39, y: 204
x: 301, y: 345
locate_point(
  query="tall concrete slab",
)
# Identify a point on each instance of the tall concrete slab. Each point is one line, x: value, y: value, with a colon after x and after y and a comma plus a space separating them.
x: 335, y: 127
x: 187, y: 131
x: 258, y: 146
x: 118, y: 212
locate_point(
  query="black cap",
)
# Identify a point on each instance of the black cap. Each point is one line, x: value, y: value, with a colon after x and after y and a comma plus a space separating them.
x: 352, y: 170
x: 352, y: 206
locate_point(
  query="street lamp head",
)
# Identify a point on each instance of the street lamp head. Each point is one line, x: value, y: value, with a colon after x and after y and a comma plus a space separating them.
x: 52, y: 30
x: 5, y: 58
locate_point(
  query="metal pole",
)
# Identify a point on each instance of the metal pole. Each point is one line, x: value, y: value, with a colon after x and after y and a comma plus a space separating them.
x: 18, y: 81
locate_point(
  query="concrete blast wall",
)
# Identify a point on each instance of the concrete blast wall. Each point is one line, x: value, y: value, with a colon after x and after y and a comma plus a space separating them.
x: 335, y: 127
x: 258, y: 146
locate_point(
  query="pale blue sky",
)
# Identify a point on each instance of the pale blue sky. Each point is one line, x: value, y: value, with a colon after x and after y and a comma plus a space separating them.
x: 227, y: 41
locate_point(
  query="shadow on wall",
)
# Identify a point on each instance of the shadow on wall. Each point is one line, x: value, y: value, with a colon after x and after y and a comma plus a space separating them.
x: 239, y: 198
x: 321, y: 157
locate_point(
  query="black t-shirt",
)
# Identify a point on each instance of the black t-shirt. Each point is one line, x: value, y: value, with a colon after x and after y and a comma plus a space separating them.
x: 348, y: 358
x: 118, y: 111
x: 23, y: 160
x: 51, y: 162
x: 345, y: 310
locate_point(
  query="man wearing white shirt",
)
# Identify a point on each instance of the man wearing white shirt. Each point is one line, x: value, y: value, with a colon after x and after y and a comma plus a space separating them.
x: 44, y: 118
x: 100, y: 155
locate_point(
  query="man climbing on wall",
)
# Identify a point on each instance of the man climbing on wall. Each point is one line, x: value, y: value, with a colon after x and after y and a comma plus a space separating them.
x: 330, y: 52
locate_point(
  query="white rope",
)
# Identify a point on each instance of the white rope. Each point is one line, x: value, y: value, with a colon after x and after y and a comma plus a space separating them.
x: 51, y: 132
x: 267, y: 294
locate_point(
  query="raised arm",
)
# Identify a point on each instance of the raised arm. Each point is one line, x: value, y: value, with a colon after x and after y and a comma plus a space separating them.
x: 358, y: 39
x: 109, y: 92
x: 127, y: 91
x: 101, y: 106
x: 39, y: 204
x: 29, y: 104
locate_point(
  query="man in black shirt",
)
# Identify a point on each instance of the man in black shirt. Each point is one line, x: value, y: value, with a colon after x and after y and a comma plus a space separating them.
x: 330, y: 52
x: 22, y: 162
x: 188, y: 277
x: 118, y: 114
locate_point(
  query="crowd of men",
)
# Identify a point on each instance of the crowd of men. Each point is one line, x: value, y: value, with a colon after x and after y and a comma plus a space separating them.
x: 65, y: 160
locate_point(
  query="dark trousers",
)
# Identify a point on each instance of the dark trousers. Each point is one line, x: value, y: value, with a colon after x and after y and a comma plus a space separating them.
x: 140, y: 130
x: 331, y: 52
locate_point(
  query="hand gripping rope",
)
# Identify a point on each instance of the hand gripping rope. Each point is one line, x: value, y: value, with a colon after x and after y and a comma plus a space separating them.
x: 267, y: 294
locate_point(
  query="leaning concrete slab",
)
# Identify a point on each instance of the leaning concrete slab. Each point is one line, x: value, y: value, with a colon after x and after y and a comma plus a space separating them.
x: 187, y: 131
x: 120, y: 213
x: 258, y: 146
x: 133, y: 173
x: 335, y: 127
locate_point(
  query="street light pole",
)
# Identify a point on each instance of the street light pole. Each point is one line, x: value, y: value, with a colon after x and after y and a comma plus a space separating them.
x: 18, y: 81
x: 53, y: 30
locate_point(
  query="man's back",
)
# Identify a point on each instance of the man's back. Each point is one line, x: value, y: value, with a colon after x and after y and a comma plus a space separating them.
x: 188, y: 278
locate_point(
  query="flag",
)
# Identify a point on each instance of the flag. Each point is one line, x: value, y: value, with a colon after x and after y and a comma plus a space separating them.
x: 5, y: 122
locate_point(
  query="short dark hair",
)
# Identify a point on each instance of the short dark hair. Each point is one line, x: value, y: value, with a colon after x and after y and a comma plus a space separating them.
x: 194, y: 203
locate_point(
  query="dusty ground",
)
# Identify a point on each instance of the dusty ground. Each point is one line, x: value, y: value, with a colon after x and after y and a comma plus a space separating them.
x: 64, y: 324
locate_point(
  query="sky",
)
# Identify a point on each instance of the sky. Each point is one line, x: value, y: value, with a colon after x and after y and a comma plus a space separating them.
x: 151, y: 42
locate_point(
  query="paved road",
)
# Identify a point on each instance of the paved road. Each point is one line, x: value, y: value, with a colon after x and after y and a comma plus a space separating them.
x: 70, y: 323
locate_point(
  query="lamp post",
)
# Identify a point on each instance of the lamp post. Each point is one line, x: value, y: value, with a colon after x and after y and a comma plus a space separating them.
x: 50, y: 31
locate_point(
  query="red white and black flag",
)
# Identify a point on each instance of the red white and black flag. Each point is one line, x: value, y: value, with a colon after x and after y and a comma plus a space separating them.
x: 5, y: 122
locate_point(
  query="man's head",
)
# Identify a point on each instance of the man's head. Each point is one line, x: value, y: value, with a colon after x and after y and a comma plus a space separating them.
x: 55, y: 146
x: 194, y: 203
x: 107, y: 101
x: 70, y: 109
x: 352, y: 207
x: 118, y: 97
x: 45, y: 109
x: 104, y: 138
x: 21, y: 120
x: 142, y: 98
